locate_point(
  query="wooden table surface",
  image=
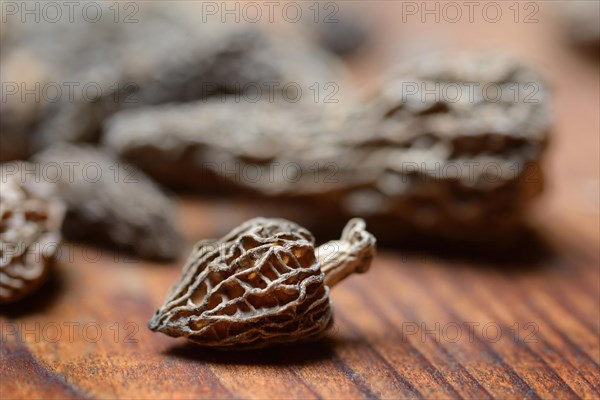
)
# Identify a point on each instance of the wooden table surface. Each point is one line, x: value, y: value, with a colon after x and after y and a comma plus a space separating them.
x: 418, y: 325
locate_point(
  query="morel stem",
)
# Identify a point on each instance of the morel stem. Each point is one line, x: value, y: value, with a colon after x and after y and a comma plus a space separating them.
x: 352, y: 253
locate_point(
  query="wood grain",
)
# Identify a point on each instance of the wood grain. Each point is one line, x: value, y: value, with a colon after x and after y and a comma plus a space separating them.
x: 432, y: 324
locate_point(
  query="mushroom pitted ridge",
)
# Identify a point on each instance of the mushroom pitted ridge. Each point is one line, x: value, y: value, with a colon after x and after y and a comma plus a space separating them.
x: 263, y: 283
x: 29, y: 234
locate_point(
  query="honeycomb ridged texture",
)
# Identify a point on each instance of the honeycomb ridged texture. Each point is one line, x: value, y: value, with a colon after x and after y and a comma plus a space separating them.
x: 29, y: 237
x: 259, y: 285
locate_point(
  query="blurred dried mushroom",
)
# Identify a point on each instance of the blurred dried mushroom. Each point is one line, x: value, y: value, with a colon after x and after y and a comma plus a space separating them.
x: 263, y: 283
x: 109, y: 202
x: 447, y: 146
x: 102, y: 67
x: 29, y: 234
x: 205, y: 146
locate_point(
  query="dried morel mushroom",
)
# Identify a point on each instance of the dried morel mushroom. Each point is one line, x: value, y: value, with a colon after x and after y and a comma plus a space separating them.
x: 447, y: 147
x: 113, y: 66
x: 198, y: 145
x: 457, y: 145
x: 29, y: 235
x: 109, y: 202
x: 263, y: 283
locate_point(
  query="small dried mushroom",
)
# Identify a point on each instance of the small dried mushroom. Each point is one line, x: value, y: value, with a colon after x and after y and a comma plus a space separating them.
x: 109, y: 202
x: 29, y: 235
x: 263, y: 283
